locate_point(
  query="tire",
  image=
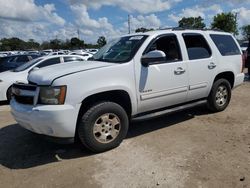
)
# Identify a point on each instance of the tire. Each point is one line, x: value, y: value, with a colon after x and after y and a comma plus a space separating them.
x: 8, y: 94
x: 103, y: 127
x: 219, y: 96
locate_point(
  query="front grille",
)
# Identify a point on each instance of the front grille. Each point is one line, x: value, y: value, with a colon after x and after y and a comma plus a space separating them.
x: 24, y: 99
x: 24, y: 93
x: 28, y: 87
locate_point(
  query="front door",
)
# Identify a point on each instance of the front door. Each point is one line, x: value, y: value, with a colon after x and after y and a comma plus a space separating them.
x: 164, y: 83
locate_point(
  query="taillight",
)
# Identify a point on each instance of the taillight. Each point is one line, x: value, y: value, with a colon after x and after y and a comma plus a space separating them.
x: 243, y: 61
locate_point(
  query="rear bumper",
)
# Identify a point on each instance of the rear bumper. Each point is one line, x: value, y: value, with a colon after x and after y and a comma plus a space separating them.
x: 51, y: 120
x: 239, y: 79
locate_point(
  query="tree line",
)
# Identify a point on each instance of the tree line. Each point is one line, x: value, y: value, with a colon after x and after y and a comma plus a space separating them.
x: 225, y: 21
x: 9, y: 44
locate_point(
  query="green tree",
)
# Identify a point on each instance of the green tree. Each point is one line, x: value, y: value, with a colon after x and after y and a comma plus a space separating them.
x: 245, y: 30
x: 76, y: 43
x: 226, y: 22
x: 192, y: 22
x: 12, y: 44
x: 32, y: 44
x: 55, y: 44
x: 143, y: 30
x: 101, y: 41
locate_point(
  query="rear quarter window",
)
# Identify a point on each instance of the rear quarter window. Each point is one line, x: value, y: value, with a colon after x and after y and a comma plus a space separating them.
x: 225, y: 44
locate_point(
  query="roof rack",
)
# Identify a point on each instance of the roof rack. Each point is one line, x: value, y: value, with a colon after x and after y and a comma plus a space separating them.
x: 188, y: 28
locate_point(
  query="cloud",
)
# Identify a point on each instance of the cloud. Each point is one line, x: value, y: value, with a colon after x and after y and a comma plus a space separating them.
x: 205, y: 12
x: 150, y: 21
x: 243, y: 16
x: 28, y: 11
x: 90, y: 27
x: 24, y: 30
x: 139, y: 6
x: 93, y: 28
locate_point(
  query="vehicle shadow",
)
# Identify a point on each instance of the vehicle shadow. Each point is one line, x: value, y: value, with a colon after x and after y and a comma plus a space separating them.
x: 143, y: 127
x: 4, y: 103
x: 21, y: 149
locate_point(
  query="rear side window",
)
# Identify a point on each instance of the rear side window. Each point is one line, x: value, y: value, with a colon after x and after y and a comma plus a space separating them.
x: 197, y: 46
x: 225, y: 44
x: 49, y: 62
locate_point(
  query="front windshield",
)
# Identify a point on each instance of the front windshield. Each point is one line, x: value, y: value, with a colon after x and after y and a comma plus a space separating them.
x: 27, y: 65
x: 120, y: 50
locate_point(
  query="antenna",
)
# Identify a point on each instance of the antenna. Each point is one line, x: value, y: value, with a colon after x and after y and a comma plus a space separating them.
x: 78, y: 33
x: 129, y: 24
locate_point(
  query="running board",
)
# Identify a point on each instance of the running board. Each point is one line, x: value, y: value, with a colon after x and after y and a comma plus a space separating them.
x: 168, y: 111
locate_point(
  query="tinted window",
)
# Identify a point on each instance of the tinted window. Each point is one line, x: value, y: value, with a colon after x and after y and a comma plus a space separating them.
x: 120, y: 50
x: 49, y: 62
x: 27, y: 65
x: 67, y: 59
x: 197, y: 46
x: 22, y: 59
x: 244, y: 44
x: 169, y: 45
x: 225, y: 44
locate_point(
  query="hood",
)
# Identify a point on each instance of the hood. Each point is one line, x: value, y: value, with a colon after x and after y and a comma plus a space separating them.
x: 46, y: 75
x: 7, y: 75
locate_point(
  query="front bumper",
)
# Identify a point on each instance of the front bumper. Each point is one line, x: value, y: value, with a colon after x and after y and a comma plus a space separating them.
x: 3, y: 90
x: 51, y: 120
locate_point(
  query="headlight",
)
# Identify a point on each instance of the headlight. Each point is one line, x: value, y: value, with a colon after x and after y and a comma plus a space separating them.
x: 52, y: 95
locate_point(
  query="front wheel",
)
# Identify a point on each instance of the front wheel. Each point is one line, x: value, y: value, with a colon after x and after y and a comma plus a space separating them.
x: 219, y: 96
x: 8, y: 94
x: 103, y: 126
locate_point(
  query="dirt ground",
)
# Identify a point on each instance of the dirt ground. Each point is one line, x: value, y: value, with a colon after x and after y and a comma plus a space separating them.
x: 193, y: 148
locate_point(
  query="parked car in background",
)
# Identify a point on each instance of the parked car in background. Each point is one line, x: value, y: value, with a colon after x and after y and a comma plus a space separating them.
x: 13, y: 61
x: 85, y: 55
x: 57, y: 53
x: 20, y: 73
x: 47, y: 51
x: 92, y: 51
x: 244, y: 46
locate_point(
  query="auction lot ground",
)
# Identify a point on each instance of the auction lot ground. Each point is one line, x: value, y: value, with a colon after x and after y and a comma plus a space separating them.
x: 193, y: 148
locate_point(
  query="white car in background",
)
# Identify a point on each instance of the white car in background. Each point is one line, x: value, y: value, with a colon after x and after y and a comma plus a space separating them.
x: 85, y: 55
x: 92, y: 51
x: 20, y: 74
x: 57, y: 53
x: 244, y: 46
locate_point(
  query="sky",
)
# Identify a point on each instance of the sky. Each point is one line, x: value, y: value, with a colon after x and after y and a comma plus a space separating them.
x: 44, y: 20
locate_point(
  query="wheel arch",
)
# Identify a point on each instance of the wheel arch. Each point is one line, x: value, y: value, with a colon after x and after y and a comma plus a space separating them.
x: 228, y: 75
x: 120, y: 97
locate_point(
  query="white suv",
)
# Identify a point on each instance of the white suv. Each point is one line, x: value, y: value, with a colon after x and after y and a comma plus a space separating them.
x: 133, y: 77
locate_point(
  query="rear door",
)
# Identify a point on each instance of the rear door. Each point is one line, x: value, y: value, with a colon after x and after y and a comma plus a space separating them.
x: 202, y: 65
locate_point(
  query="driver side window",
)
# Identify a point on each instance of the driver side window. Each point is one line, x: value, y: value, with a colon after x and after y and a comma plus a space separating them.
x: 169, y: 45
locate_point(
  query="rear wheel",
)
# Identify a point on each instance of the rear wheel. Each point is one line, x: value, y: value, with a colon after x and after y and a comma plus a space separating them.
x: 103, y: 126
x: 219, y: 96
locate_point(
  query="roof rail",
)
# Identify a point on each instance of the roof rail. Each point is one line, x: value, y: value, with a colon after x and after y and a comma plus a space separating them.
x: 189, y: 28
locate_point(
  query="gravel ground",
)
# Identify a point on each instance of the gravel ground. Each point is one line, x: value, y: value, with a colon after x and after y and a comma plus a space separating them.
x: 193, y: 148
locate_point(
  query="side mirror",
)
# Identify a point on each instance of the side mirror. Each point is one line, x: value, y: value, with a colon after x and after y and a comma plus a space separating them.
x: 153, y: 57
